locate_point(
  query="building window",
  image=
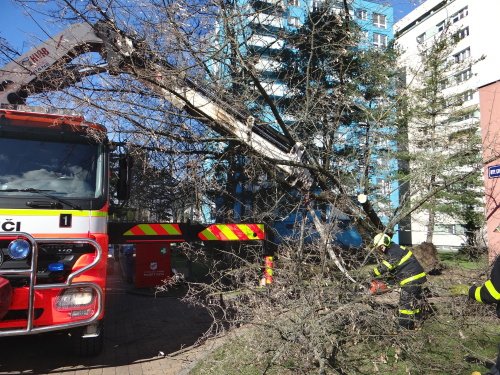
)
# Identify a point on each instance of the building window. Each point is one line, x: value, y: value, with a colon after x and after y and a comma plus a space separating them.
x: 379, y: 20
x: 440, y: 26
x: 468, y: 116
x: 421, y: 38
x: 455, y: 229
x: 462, y: 55
x: 293, y: 3
x: 294, y: 21
x: 461, y: 34
x: 463, y: 76
x: 459, y: 15
x: 468, y: 95
x: 318, y: 4
x: 385, y: 187
x: 379, y: 40
x: 362, y: 14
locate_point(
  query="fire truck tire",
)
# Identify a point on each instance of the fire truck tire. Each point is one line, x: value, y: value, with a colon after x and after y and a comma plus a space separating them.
x: 87, y: 346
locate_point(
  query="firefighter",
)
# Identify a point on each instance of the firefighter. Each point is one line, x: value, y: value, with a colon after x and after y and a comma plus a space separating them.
x: 488, y: 293
x: 402, y: 265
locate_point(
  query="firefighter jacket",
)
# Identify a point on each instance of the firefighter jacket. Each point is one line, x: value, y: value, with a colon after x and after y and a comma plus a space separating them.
x: 402, y: 265
x: 489, y: 292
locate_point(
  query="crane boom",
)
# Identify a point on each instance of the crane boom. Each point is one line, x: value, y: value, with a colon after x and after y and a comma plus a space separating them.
x: 33, y: 71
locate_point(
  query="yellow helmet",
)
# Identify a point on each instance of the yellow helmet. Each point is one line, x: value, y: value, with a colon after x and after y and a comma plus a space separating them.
x: 381, y: 239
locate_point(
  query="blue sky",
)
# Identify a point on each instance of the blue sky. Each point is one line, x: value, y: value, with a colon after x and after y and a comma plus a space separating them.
x: 19, y: 29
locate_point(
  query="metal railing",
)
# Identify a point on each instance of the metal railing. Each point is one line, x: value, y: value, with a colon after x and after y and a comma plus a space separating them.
x: 31, y: 272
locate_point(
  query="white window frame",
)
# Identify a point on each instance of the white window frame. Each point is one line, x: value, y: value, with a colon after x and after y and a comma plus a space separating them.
x: 294, y: 21
x: 444, y: 84
x: 462, y: 33
x: 318, y: 4
x: 440, y: 26
x: 379, y: 20
x: 293, y: 3
x: 380, y: 40
x: 462, y: 13
x: 468, y: 95
x: 362, y: 14
x: 463, y: 76
x: 462, y: 56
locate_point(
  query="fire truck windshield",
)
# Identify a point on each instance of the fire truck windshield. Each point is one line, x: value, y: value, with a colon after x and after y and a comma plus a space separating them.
x: 72, y: 170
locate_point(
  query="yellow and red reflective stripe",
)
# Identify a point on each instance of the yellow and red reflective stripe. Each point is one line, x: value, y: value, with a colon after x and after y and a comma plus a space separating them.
x: 232, y: 232
x: 154, y: 230
x: 268, y: 270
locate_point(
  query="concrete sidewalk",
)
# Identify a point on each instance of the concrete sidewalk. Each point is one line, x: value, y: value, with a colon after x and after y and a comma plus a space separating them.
x: 144, y: 334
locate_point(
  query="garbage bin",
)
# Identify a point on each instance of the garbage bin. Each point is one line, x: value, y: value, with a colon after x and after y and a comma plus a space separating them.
x: 152, y: 264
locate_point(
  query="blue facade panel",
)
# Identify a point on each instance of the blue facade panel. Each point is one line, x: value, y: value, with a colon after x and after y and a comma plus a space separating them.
x: 376, y: 20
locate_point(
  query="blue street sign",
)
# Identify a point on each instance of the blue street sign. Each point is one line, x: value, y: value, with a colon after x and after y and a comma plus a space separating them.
x: 494, y: 171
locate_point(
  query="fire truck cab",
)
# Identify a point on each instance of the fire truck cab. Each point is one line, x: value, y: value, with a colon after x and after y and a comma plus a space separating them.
x: 53, y: 220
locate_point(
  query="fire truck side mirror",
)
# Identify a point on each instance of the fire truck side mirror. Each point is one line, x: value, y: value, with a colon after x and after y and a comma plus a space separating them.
x: 124, y: 177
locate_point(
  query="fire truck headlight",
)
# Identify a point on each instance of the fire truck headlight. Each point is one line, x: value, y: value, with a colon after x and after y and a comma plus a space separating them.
x: 75, y: 297
x: 19, y: 249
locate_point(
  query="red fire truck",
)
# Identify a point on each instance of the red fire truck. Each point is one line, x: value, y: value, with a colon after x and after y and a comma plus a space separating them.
x: 53, y: 220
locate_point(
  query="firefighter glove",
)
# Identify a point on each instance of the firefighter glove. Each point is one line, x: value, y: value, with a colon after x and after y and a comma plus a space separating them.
x: 459, y: 289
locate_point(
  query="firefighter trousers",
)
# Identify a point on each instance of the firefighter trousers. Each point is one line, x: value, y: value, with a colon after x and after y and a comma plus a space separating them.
x: 410, y: 305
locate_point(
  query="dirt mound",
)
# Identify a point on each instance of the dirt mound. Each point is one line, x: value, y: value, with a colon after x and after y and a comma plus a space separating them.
x: 427, y: 255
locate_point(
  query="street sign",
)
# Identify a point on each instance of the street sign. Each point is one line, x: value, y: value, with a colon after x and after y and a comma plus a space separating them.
x: 494, y: 171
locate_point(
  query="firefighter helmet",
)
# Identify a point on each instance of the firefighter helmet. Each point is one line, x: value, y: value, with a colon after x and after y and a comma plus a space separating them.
x: 381, y: 239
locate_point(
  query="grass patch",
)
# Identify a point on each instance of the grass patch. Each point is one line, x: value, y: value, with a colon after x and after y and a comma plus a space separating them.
x: 440, y: 348
x: 456, y: 260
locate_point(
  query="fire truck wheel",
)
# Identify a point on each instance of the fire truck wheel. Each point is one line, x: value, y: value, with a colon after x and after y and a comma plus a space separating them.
x: 84, y: 345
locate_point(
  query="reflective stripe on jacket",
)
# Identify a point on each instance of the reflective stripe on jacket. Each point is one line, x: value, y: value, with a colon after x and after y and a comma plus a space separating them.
x: 489, y: 292
x: 402, y: 265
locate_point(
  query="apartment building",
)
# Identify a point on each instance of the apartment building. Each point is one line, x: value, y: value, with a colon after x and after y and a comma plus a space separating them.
x: 265, y: 22
x: 475, y: 26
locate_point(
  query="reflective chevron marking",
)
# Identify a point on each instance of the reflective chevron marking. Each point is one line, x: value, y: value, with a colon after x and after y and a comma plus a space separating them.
x: 154, y: 230
x: 233, y: 232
